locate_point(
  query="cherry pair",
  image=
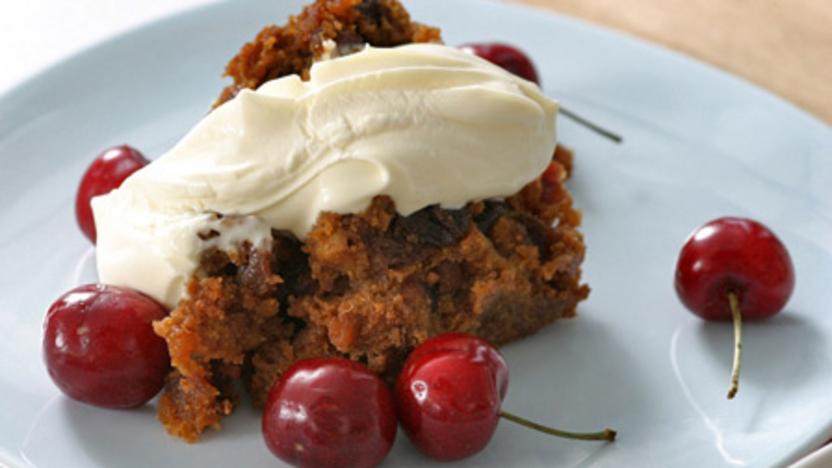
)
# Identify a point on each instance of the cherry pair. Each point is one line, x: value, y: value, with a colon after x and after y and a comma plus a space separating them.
x: 448, y: 397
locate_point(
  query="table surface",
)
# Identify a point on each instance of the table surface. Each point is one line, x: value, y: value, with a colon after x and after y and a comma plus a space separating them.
x: 784, y: 46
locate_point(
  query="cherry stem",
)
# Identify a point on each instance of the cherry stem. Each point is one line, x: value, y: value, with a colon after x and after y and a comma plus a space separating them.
x: 590, y: 125
x: 736, y: 314
x: 606, y: 434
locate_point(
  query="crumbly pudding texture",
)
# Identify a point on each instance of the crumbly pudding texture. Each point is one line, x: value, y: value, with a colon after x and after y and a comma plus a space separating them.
x: 372, y: 285
x: 292, y: 49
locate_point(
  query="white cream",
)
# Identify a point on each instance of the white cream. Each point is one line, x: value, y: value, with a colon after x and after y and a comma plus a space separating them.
x: 424, y: 124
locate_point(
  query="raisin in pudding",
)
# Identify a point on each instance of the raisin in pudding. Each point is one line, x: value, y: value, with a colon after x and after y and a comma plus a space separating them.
x: 359, y: 189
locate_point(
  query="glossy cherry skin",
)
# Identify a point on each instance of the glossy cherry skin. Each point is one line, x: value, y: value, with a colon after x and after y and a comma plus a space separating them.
x: 329, y: 412
x: 106, y: 173
x: 449, y: 395
x: 466, y: 344
x: 734, y: 255
x: 100, y: 348
x: 508, y: 57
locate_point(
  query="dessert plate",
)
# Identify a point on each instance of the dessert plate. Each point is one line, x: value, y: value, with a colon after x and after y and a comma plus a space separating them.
x: 698, y: 144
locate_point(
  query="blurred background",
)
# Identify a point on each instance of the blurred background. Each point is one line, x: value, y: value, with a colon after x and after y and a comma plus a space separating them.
x: 784, y: 46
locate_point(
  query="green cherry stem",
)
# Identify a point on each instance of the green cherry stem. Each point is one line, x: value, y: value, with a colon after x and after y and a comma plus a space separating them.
x: 606, y: 434
x: 736, y: 314
x: 608, y: 134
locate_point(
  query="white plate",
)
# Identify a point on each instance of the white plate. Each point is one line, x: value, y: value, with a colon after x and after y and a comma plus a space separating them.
x: 699, y: 144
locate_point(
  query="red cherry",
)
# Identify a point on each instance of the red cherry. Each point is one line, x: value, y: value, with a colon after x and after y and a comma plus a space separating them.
x: 329, y: 412
x: 100, y: 348
x: 449, y: 397
x: 505, y: 56
x: 467, y: 345
x: 106, y: 173
x: 734, y: 255
x: 734, y: 269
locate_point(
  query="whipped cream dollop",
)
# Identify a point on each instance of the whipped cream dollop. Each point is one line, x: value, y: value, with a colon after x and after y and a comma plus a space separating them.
x: 422, y: 123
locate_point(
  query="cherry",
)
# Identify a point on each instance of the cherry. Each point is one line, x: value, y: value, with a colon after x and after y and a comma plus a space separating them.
x: 329, y: 412
x: 505, y: 56
x: 734, y: 269
x: 449, y: 397
x: 100, y: 348
x: 461, y: 343
x: 106, y: 173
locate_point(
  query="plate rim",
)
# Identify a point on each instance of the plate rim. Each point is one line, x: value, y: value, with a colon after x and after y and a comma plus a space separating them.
x: 55, y: 69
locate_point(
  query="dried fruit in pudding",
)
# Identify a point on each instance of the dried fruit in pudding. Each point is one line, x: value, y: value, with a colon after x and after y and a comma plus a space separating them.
x: 99, y: 346
x: 106, y: 173
x: 329, y: 413
x: 734, y: 269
